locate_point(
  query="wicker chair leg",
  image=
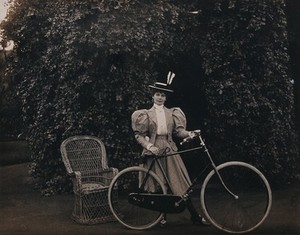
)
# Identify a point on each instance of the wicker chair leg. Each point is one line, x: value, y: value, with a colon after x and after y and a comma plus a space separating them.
x: 92, y: 208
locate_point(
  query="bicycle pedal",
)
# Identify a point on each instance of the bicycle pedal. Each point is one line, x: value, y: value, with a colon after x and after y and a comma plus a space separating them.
x: 205, y: 222
x: 163, y: 223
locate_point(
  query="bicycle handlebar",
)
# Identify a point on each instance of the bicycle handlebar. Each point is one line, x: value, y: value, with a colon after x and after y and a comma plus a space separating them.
x: 187, y: 139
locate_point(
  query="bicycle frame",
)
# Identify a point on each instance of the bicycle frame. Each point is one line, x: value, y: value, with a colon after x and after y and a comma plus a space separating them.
x: 148, y: 194
x: 195, y: 181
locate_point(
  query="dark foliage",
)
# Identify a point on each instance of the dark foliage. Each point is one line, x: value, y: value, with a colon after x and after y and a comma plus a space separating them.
x: 250, y: 98
x: 83, y: 67
x: 85, y: 70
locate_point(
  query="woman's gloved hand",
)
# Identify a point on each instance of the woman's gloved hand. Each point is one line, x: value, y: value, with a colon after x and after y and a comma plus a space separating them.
x: 154, y: 150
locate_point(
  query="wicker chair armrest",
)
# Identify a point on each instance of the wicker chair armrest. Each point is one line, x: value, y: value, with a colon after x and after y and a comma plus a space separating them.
x: 104, y: 177
x: 109, y: 174
x: 77, y: 180
x: 112, y: 170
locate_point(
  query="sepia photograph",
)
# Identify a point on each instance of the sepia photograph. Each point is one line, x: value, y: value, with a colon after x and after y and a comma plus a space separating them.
x: 149, y: 117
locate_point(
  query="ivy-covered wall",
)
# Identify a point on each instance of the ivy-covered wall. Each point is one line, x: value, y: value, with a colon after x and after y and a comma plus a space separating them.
x: 83, y: 67
x: 249, y: 86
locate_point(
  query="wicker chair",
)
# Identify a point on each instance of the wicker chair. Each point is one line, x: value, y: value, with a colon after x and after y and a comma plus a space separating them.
x: 85, y: 160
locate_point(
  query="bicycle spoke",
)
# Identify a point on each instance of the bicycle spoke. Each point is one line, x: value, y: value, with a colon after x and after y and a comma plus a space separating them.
x: 129, y: 181
x: 236, y: 215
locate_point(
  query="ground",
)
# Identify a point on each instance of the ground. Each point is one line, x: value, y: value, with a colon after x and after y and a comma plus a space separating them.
x: 25, y: 211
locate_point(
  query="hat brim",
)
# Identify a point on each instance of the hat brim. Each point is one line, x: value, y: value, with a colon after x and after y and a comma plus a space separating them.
x: 160, y: 89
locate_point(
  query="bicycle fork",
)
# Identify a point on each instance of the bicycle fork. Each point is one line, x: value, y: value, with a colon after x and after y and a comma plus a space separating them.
x: 216, y: 170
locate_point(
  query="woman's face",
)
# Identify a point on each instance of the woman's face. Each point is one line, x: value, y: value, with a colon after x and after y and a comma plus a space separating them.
x: 159, y: 98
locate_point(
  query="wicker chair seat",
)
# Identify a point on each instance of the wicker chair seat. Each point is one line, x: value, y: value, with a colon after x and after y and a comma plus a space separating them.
x: 93, y: 187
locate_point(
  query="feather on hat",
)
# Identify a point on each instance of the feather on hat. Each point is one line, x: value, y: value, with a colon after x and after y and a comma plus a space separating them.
x: 160, y: 86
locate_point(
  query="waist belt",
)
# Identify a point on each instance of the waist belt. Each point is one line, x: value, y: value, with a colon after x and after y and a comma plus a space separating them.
x: 163, y: 137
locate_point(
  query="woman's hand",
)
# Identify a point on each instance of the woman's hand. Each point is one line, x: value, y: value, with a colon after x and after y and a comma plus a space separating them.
x: 154, y: 150
x: 192, y: 134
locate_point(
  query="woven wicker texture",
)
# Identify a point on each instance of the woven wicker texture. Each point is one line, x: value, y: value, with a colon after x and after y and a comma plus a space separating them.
x: 85, y: 161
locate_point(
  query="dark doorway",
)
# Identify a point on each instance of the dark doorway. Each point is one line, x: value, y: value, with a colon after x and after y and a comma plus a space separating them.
x: 189, y: 96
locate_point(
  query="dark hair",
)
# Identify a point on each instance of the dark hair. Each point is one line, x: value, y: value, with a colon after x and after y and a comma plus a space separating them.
x: 152, y: 92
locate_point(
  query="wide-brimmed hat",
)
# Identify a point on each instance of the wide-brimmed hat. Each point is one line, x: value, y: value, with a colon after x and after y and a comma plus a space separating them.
x: 160, y: 86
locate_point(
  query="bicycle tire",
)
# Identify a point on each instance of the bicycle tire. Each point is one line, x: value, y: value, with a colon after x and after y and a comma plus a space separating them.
x: 236, y: 215
x: 125, y: 182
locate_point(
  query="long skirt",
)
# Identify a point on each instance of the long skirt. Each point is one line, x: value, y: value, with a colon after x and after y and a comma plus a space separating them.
x: 173, y: 166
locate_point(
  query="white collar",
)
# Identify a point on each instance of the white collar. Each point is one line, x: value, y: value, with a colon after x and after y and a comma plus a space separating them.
x: 158, y: 107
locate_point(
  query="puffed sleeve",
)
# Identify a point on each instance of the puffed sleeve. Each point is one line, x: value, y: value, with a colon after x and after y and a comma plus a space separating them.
x: 180, y: 123
x: 140, y: 121
x: 140, y: 126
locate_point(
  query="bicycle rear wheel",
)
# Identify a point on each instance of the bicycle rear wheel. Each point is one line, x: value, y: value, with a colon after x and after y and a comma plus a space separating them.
x: 129, y: 181
x: 236, y: 215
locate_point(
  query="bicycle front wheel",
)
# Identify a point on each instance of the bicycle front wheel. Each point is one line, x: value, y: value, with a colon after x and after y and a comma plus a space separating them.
x: 242, y: 213
x: 129, y: 181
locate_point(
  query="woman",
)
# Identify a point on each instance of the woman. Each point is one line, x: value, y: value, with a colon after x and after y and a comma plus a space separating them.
x: 153, y: 130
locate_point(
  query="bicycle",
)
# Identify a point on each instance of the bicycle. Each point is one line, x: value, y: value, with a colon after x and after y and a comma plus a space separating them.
x: 235, y: 196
